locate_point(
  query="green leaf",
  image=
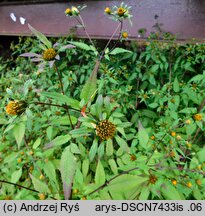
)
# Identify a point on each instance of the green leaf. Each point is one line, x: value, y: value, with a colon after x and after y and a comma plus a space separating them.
x: 155, y: 68
x: 85, y: 167
x: 109, y: 147
x: 58, y: 141
x: 113, y: 166
x: 90, y: 87
x: 201, y: 155
x: 126, y: 182
x: 170, y: 192
x: 119, y: 50
x: 143, y: 138
x: 100, y: 174
x: 74, y: 148
x: 176, y: 85
x: 50, y: 171
x: 153, y: 105
x: 93, y: 150
x: 63, y: 99
x: 39, y: 185
x: 81, y: 45
x: 37, y: 143
x: 64, y: 120
x: 83, y: 131
x: 18, y: 132
x: 16, y: 175
x: 144, y: 193
x: 40, y: 36
x: 121, y: 142
x: 68, y: 167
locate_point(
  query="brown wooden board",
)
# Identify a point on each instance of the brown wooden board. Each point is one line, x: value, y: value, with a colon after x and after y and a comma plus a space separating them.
x: 186, y: 18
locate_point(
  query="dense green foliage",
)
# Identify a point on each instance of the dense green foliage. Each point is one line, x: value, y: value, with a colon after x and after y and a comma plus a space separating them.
x: 153, y: 92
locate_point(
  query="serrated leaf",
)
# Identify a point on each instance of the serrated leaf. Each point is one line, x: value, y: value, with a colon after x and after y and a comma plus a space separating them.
x: 119, y: 50
x: 83, y: 131
x: 62, y: 99
x: 37, y: 143
x: 50, y: 172
x: 144, y: 193
x: 126, y: 182
x: 170, y: 192
x: 93, y: 150
x: 81, y: 45
x: 16, y: 175
x: 109, y: 147
x: 18, y: 132
x: 68, y: 165
x: 113, y: 166
x: 201, y: 155
x: 90, y: 87
x: 122, y: 143
x: 176, y: 85
x: 58, y: 141
x: 100, y: 174
x: 85, y: 167
x: 39, y: 185
x: 143, y: 138
x: 40, y: 36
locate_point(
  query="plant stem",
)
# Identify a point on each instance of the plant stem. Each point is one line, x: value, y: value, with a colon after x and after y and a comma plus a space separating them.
x: 21, y: 186
x: 81, y: 22
x: 112, y: 36
x: 61, y: 84
x: 60, y: 78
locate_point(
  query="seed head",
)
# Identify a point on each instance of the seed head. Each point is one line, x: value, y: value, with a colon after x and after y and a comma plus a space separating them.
x: 152, y: 179
x: 105, y: 130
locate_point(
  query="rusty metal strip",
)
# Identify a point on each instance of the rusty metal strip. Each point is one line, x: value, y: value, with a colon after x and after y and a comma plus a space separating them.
x: 181, y: 17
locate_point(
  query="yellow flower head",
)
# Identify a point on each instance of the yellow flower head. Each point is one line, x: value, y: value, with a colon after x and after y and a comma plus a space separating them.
x: 173, y: 134
x: 121, y: 11
x: 197, y: 117
x: 75, y: 11
x: 188, y: 121
x: 68, y: 11
x: 42, y: 196
x: 49, y: 54
x: 124, y: 34
x: 107, y: 10
x: 16, y: 107
x: 174, y: 182
x: 105, y: 130
x: 152, y: 137
x: 189, y: 184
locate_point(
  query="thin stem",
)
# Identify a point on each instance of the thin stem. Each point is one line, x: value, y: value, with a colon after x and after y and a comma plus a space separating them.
x: 108, y: 182
x: 112, y: 36
x: 81, y: 22
x: 56, y: 105
x: 61, y: 84
x: 119, y: 36
x: 60, y: 78
x: 21, y: 186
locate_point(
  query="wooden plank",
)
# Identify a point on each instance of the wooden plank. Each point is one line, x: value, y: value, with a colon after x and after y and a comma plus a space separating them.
x: 182, y: 17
